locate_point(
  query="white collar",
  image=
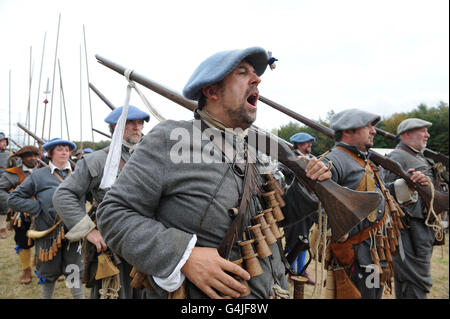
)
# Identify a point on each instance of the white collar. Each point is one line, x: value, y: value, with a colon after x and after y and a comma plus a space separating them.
x: 53, y: 167
x: 27, y: 169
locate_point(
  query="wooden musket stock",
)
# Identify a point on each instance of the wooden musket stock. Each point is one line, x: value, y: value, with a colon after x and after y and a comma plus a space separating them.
x: 440, y: 202
x: 346, y: 208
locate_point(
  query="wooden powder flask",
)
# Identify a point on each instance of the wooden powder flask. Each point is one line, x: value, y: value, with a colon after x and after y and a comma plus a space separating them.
x: 41, y: 254
x: 55, y: 248
x: 387, y: 250
x: 273, y: 203
x: 380, y: 246
x: 391, y: 239
x: 262, y: 248
x: 239, y: 262
x: 265, y: 229
x: 376, y: 259
x: 299, y: 286
x: 252, y: 263
x: 50, y: 253
x: 58, y: 239
x: 272, y: 223
x: 273, y: 185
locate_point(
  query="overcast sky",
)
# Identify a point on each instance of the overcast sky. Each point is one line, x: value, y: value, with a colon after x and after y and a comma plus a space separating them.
x: 381, y: 56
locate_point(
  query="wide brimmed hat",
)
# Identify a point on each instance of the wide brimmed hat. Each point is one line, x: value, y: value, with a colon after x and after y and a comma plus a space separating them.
x: 301, y: 138
x: 28, y: 149
x: 58, y: 141
x: 352, y: 119
x: 133, y: 114
x: 217, y: 66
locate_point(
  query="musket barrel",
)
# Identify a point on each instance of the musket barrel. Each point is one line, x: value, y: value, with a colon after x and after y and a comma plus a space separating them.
x: 37, y: 138
x: 167, y: 93
x: 317, y: 126
x: 102, y: 97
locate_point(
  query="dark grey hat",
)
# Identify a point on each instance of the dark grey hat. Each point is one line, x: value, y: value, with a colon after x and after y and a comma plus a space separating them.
x: 217, y: 66
x: 353, y: 118
x: 411, y: 124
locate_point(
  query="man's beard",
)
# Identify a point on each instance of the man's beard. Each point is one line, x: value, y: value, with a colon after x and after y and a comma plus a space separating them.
x: 133, y: 139
x: 240, y: 117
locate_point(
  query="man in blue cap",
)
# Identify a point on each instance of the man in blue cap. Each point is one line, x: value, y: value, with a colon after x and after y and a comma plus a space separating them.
x: 302, y: 147
x: 168, y: 217
x: 87, y: 178
x: 412, y: 276
x: 356, y: 251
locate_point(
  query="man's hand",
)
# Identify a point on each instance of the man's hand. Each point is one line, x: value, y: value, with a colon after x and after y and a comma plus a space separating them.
x: 419, y: 177
x: 206, y: 269
x: 316, y: 170
x: 95, y: 238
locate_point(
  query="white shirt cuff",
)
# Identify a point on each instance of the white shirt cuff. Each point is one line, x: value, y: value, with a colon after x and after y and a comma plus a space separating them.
x: 176, y: 278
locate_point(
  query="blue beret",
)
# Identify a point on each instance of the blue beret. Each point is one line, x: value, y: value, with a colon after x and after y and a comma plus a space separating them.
x: 88, y: 150
x: 301, y: 138
x: 352, y: 119
x: 58, y: 141
x: 133, y: 114
x: 217, y: 66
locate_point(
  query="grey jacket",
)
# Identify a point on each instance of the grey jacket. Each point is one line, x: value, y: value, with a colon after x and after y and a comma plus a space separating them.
x: 4, y: 163
x: 407, y: 161
x: 69, y: 197
x: 7, y: 181
x: 41, y: 184
x: 156, y: 206
x: 347, y: 172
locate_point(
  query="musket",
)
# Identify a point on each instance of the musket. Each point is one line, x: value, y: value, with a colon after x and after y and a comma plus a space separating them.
x: 100, y: 132
x: 37, y: 138
x: 435, y: 156
x: 102, y: 97
x: 441, y: 199
x: 346, y: 208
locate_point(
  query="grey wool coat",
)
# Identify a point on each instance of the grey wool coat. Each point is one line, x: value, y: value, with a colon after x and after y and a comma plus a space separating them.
x: 7, y: 181
x: 412, y: 274
x: 159, y: 202
x: 348, y: 173
x: 69, y: 202
x: 42, y: 184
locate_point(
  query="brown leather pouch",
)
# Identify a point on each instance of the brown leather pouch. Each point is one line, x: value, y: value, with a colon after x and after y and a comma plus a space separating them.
x: 344, y: 253
x: 345, y: 288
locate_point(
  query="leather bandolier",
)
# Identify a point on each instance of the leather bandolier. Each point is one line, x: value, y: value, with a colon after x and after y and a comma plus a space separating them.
x: 383, y: 234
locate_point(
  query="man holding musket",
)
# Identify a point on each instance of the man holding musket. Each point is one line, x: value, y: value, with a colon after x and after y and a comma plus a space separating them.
x: 20, y: 221
x: 87, y: 178
x: 357, y: 252
x: 170, y: 209
x: 412, y: 267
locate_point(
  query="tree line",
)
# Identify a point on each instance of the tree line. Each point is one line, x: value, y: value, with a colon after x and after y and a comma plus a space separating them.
x: 437, y: 115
